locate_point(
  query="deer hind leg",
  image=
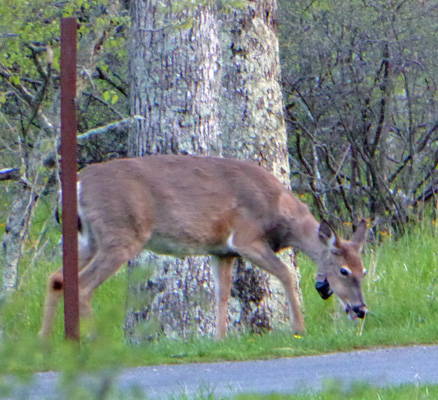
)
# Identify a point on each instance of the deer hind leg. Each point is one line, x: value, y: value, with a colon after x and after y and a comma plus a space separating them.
x: 105, y: 264
x: 222, y: 271
x: 55, y: 287
x: 262, y: 255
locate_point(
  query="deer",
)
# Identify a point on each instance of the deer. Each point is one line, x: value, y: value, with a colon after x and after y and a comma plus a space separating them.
x: 181, y: 205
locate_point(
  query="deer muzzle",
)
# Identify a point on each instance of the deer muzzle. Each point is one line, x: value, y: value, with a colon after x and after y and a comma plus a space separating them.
x: 356, y: 311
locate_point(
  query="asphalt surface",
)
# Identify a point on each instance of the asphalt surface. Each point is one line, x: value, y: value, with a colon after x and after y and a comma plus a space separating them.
x: 380, y: 367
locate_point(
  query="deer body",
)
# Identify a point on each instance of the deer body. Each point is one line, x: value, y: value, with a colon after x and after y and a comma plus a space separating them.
x: 185, y: 205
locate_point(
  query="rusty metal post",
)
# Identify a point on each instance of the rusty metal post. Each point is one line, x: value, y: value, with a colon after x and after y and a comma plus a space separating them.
x: 69, y: 176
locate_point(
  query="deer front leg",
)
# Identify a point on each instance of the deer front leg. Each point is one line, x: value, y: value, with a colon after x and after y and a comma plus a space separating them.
x: 262, y: 255
x: 222, y: 271
x: 106, y: 263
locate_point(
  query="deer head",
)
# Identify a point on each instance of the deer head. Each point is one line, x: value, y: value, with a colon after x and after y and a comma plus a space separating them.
x: 340, y: 268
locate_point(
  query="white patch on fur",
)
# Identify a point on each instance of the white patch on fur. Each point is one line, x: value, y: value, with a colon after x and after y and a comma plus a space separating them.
x: 83, y: 235
x: 230, y: 243
x: 83, y: 240
x: 331, y: 241
x: 78, y: 185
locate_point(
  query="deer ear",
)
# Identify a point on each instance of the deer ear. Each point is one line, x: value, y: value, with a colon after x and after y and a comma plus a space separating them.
x: 360, y: 234
x: 326, y: 235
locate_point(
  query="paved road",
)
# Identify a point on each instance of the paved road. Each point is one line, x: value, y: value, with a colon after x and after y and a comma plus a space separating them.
x: 381, y: 367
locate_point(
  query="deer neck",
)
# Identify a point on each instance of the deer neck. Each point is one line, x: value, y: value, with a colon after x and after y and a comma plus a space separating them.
x: 307, y: 238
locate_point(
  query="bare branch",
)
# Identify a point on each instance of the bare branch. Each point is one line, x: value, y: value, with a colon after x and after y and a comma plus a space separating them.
x: 420, y: 148
x: 35, y: 51
x: 10, y: 174
x: 104, y: 76
x: 341, y: 164
x: 114, y: 110
x: 110, y: 128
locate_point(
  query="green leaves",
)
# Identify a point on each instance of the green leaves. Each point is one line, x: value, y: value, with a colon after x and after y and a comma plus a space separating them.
x: 15, y: 80
x: 110, y: 96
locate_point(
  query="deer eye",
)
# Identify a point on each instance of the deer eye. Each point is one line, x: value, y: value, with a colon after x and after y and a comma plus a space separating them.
x: 344, y: 271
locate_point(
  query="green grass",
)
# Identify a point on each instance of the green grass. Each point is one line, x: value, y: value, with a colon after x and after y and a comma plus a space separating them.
x: 359, y: 392
x: 103, y: 387
x: 401, y: 291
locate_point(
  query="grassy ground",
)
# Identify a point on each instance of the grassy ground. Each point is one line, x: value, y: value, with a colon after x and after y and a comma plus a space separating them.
x: 359, y: 393
x: 401, y: 291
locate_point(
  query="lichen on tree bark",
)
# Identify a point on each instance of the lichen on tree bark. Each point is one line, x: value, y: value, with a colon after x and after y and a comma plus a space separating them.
x: 253, y: 127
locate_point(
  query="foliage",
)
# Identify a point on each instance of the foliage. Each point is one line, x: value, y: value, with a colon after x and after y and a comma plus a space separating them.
x: 29, y: 68
x: 361, y: 95
x: 30, y: 102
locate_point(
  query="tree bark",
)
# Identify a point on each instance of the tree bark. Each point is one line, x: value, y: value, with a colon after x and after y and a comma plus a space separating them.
x: 15, y: 232
x: 174, y: 83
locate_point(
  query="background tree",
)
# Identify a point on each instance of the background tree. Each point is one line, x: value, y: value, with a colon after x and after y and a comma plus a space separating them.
x: 29, y: 101
x: 361, y: 106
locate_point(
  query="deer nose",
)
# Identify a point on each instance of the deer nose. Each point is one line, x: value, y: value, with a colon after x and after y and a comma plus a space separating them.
x: 360, y: 311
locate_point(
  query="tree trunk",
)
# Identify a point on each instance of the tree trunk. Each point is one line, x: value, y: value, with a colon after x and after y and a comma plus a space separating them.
x: 174, y: 84
x: 253, y: 127
x: 26, y: 194
x: 15, y: 232
x: 175, y: 87
x: 209, y: 91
